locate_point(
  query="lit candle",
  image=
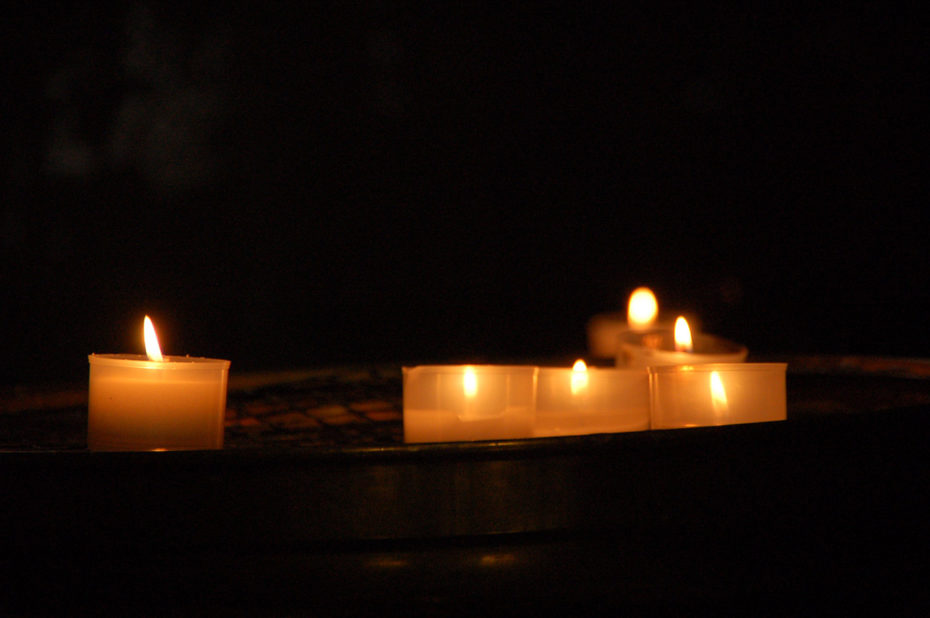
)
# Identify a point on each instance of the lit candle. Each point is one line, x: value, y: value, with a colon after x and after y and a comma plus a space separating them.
x: 585, y: 400
x: 717, y: 394
x: 604, y: 329
x: 155, y: 402
x: 468, y: 402
x: 676, y: 346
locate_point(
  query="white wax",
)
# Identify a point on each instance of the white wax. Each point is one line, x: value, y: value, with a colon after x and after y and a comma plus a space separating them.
x: 596, y: 401
x: 138, y: 404
x: 440, y: 405
x: 655, y: 347
x: 717, y: 394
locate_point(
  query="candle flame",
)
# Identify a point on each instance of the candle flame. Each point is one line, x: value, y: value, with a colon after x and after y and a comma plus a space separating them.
x: 579, y: 377
x: 683, y: 341
x: 718, y: 394
x: 643, y: 309
x: 470, y: 382
x: 152, y: 349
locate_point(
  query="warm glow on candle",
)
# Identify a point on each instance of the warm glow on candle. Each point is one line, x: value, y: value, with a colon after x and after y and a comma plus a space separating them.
x: 718, y: 395
x: 152, y: 349
x: 470, y: 382
x: 682, y: 336
x: 643, y: 309
x: 579, y: 377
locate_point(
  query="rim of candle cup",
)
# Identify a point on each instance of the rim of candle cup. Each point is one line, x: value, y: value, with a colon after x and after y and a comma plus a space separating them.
x: 171, y: 363
x: 719, y: 367
x: 494, y: 369
x: 593, y: 369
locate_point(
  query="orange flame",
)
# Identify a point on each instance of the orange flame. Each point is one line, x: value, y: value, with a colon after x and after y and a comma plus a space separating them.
x: 152, y: 349
x: 643, y: 309
x: 683, y: 342
x: 579, y: 377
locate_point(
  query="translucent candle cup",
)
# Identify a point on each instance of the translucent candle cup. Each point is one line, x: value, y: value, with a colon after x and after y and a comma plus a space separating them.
x: 445, y: 403
x: 596, y: 400
x: 136, y: 404
x: 717, y: 394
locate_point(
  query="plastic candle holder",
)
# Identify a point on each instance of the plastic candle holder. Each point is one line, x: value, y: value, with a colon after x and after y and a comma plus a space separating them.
x: 717, y: 394
x: 569, y: 402
x: 656, y: 347
x: 136, y: 404
x: 445, y: 403
x: 605, y: 330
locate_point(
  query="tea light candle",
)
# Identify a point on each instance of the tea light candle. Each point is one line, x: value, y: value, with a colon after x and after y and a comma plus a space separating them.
x: 468, y: 402
x: 605, y: 329
x: 153, y: 402
x: 585, y: 400
x: 717, y: 394
x: 676, y: 346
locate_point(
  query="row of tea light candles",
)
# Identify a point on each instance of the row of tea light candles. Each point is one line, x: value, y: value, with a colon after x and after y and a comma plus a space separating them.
x: 664, y: 378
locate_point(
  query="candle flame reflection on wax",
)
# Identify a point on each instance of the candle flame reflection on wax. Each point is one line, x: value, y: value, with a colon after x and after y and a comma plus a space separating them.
x: 642, y: 310
x: 152, y: 349
x: 470, y: 382
x: 718, y: 394
x: 683, y: 341
x: 579, y: 377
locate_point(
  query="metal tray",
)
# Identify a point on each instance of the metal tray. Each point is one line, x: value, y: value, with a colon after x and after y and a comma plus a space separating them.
x: 744, y: 512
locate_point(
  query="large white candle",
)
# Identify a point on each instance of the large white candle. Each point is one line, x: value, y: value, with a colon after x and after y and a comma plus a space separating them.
x: 136, y: 403
x: 585, y: 400
x: 468, y: 402
x: 717, y: 394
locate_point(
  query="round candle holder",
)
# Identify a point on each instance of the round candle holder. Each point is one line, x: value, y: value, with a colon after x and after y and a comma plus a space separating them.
x: 656, y: 347
x: 604, y: 331
x: 597, y: 400
x: 468, y: 402
x: 136, y: 404
x: 717, y: 394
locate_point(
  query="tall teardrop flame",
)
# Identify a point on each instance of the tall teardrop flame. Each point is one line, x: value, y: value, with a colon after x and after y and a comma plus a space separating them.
x: 152, y: 349
x: 718, y: 394
x: 579, y: 377
x: 683, y: 342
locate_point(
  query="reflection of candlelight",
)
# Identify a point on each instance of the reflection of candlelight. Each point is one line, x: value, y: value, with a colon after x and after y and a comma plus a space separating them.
x: 718, y: 395
x: 683, y: 342
x: 470, y: 382
x: 579, y: 377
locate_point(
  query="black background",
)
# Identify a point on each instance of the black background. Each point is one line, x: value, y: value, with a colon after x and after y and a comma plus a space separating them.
x: 398, y: 182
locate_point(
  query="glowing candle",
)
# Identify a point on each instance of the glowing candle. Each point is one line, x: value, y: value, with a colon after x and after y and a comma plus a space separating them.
x: 717, y: 394
x: 155, y: 402
x: 468, y: 402
x: 585, y: 400
x: 676, y: 346
x: 604, y: 329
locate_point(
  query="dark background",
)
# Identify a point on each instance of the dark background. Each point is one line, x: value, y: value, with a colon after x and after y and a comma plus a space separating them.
x: 406, y: 183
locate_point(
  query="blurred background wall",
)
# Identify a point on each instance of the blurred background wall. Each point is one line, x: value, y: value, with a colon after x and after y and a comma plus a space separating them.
x: 392, y: 181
